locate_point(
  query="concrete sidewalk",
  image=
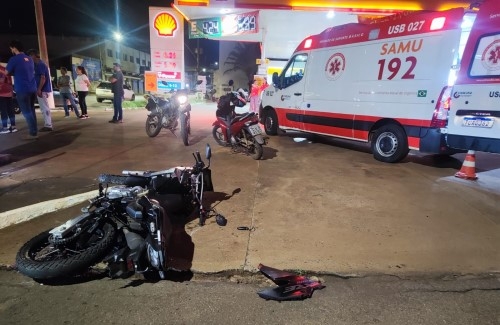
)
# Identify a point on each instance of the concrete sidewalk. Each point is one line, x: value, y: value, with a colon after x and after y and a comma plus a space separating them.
x: 324, y: 206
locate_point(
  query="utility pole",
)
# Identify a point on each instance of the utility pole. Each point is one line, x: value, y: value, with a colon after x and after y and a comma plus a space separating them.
x: 42, y: 43
x: 41, y: 31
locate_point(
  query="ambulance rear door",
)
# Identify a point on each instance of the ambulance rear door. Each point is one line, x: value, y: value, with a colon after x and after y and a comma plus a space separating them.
x: 474, y: 116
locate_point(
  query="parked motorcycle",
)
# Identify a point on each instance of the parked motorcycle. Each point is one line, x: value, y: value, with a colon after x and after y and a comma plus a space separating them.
x: 168, y: 113
x: 126, y: 226
x: 246, y: 133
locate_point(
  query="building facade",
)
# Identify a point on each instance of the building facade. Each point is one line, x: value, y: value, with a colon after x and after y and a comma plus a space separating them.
x: 97, y: 55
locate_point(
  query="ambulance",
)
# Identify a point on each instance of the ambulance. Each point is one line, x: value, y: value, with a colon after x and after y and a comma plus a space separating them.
x: 385, y: 81
x: 474, y: 116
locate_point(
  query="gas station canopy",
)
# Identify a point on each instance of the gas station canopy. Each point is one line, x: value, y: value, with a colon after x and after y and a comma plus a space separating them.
x: 204, y: 8
x: 281, y: 24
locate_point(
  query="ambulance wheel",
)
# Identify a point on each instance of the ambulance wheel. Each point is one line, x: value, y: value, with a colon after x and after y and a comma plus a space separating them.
x: 390, y: 144
x: 271, y: 122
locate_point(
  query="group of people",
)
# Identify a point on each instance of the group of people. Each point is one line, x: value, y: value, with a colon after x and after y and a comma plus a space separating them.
x: 32, y: 81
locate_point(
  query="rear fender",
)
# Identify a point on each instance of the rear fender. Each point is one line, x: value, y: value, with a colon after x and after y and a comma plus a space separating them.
x: 260, y: 139
x: 61, y: 230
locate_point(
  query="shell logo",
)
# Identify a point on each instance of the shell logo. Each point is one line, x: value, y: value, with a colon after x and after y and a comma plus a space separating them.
x: 165, y: 24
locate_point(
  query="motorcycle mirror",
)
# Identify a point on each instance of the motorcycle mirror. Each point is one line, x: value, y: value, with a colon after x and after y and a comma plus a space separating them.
x: 208, y: 152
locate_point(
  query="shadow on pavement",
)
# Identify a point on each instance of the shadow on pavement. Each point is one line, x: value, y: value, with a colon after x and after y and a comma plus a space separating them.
x: 181, y: 248
x: 45, y: 143
x: 430, y: 160
x: 438, y: 161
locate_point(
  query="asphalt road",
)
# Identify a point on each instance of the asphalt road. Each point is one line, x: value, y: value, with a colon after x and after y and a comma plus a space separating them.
x: 232, y: 299
x: 404, y: 238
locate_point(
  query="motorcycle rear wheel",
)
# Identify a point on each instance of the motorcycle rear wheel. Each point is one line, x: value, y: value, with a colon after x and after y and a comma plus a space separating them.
x: 185, y: 128
x: 41, y: 260
x: 254, y: 148
x: 153, y: 125
x: 219, y: 136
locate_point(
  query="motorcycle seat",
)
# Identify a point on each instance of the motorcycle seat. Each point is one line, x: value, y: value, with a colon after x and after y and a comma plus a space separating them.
x: 172, y: 203
x: 241, y: 117
x: 137, y: 181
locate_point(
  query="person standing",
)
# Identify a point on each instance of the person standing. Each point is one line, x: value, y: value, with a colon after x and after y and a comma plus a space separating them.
x: 44, y: 88
x: 82, y: 84
x: 118, y: 93
x: 64, y: 84
x: 22, y: 68
x: 6, y: 105
x: 255, y: 95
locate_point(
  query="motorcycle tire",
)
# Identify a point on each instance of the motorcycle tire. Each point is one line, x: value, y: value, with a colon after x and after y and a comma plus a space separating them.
x: 153, y: 125
x: 254, y: 148
x: 185, y: 128
x: 64, y: 260
x: 219, y: 136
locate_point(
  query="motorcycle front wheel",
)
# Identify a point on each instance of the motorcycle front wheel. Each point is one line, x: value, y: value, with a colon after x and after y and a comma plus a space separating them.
x: 40, y: 258
x: 153, y: 125
x: 185, y: 128
x: 254, y: 148
x: 219, y: 136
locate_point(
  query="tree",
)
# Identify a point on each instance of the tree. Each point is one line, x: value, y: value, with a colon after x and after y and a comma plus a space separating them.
x: 243, y: 58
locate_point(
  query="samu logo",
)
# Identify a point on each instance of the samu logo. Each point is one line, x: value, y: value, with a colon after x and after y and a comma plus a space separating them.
x: 495, y: 94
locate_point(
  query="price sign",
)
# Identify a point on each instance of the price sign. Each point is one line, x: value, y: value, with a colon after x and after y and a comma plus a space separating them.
x: 202, y: 28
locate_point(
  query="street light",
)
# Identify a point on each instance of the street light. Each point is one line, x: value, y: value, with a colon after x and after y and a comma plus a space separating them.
x: 118, y: 36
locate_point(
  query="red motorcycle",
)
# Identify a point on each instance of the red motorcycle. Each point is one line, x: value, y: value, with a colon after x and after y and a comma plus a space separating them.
x: 246, y: 133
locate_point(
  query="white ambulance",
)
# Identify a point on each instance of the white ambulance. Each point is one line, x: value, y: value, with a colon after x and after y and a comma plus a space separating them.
x: 384, y: 81
x: 474, y: 117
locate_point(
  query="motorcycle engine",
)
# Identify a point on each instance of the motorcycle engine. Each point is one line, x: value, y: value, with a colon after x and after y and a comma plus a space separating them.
x: 123, y: 191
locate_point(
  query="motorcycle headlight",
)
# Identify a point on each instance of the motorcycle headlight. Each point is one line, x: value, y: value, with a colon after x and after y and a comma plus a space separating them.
x: 182, y: 99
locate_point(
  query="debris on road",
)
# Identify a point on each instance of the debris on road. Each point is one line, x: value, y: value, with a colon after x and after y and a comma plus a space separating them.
x: 290, y: 286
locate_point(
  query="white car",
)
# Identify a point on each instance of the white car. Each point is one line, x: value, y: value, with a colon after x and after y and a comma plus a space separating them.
x: 103, y: 92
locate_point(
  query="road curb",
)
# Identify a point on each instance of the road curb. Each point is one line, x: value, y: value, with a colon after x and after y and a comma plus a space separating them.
x: 5, y: 159
x: 23, y: 214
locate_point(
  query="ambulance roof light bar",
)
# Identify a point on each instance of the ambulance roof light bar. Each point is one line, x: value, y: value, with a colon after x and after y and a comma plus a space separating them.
x: 308, y: 43
x: 438, y: 23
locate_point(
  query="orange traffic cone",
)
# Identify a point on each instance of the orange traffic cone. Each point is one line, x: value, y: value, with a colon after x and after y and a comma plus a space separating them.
x: 468, y: 170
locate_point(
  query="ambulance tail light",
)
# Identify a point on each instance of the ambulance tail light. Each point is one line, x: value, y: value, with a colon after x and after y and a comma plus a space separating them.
x: 440, y: 116
x: 438, y: 23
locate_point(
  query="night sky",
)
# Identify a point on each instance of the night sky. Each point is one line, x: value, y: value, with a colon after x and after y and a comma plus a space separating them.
x: 82, y: 18
x: 88, y: 18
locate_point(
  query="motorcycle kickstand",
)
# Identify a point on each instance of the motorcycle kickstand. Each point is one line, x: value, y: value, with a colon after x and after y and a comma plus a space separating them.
x: 203, y: 217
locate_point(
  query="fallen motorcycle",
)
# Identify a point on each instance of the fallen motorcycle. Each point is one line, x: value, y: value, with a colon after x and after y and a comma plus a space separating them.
x: 246, y: 133
x: 127, y: 226
x: 168, y: 113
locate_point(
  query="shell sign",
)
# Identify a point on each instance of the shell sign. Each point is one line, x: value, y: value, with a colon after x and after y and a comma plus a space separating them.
x: 165, y: 24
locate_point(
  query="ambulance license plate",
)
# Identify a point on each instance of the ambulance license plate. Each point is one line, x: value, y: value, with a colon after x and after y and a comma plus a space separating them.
x: 255, y: 129
x: 478, y: 122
